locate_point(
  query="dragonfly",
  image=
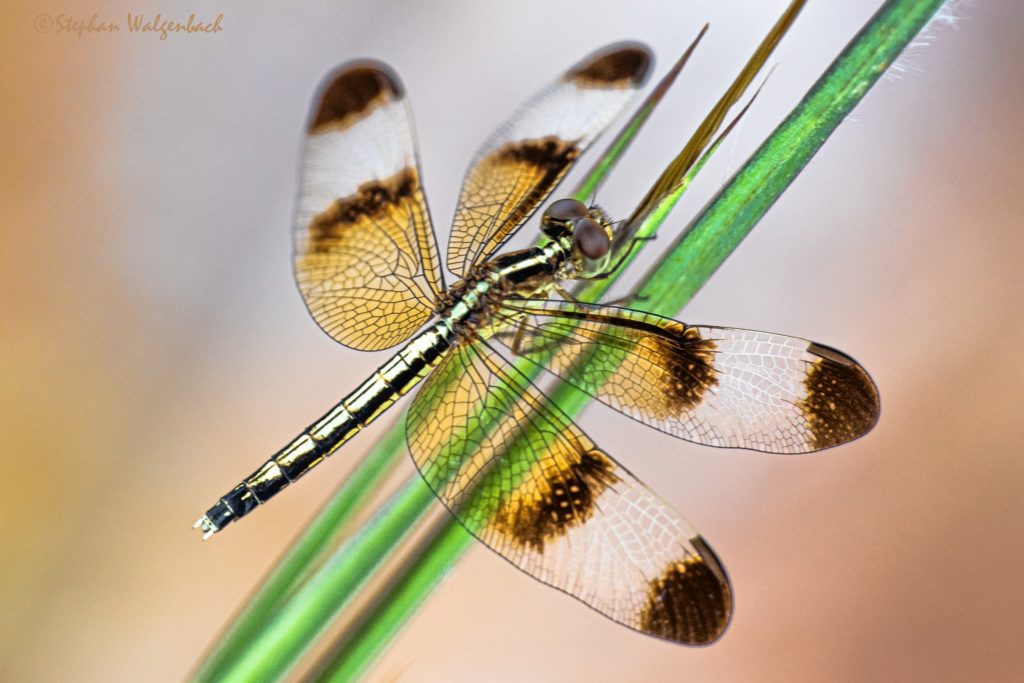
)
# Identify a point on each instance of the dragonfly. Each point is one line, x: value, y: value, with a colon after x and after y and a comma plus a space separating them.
x: 502, y: 457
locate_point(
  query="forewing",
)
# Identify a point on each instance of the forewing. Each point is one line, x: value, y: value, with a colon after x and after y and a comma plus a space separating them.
x: 366, y: 260
x: 525, y: 480
x: 523, y: 161
x: 711, y: 385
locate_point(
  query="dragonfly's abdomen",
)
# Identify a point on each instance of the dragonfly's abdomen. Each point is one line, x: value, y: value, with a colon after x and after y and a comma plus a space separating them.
x: 464, y: 311
x: 389, y: 383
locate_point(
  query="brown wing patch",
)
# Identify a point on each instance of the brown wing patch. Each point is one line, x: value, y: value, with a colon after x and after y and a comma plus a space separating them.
x: 352, y: 95
x: 555, y: 500
x: 359, y: 266
x: 690, y: 602
x: 373, y: 201
x: 841, y: 402
x: 617, y: 66
x: 688, y: 365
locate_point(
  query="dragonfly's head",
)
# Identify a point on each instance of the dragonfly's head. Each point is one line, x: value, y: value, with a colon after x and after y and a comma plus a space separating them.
x: 586, y: 232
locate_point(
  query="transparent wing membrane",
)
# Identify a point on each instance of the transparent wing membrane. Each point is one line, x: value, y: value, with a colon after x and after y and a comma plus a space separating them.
x: 711, y: 385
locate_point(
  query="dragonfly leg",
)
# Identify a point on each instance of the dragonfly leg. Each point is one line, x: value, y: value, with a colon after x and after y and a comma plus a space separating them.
x: 625, y: 255
x: 630, y: 298
x: 517, y: 340
x: 564, y: 293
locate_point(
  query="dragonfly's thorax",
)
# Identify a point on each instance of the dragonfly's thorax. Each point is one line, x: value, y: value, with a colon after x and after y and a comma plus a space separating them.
x: 469, y: 305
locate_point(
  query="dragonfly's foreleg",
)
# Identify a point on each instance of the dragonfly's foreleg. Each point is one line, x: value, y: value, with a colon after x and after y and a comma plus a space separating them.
x: 516, y: 345
x: 633, y: 243
x: 564, y: 293
x: 630, y: 298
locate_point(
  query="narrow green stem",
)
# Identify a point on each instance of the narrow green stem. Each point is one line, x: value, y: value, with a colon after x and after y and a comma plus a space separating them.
x: 295, y: 626
x: 737, y: 208
x: 306, y: 552
x: 357, y: 654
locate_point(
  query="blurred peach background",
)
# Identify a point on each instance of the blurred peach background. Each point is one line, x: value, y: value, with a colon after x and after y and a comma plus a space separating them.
x: 156, y: 349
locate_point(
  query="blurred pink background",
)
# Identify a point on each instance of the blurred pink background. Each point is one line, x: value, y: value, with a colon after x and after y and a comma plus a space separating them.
x: 156, y: 349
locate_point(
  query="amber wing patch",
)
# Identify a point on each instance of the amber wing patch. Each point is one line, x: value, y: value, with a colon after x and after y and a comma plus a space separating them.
x: 524, y: 160
x: 503, y: 189
x: 366, y: 259
x: 666, y: 370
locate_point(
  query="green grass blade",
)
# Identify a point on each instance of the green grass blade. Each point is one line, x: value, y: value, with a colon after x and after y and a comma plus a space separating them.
x: 307, y: 551
x: 713, y: 121
x: 740, y: 204
x: 295, y: 626
x: 710, y: 239
x: 358, y: 653
x: 629, y: 244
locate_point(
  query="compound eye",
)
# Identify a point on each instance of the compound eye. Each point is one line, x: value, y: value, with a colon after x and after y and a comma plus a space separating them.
x: 591, y: 239
x: 566, y: 210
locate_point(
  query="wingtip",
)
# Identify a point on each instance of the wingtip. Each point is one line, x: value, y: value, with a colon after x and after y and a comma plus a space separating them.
x: 350, y: 92
x: 619, y: 65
